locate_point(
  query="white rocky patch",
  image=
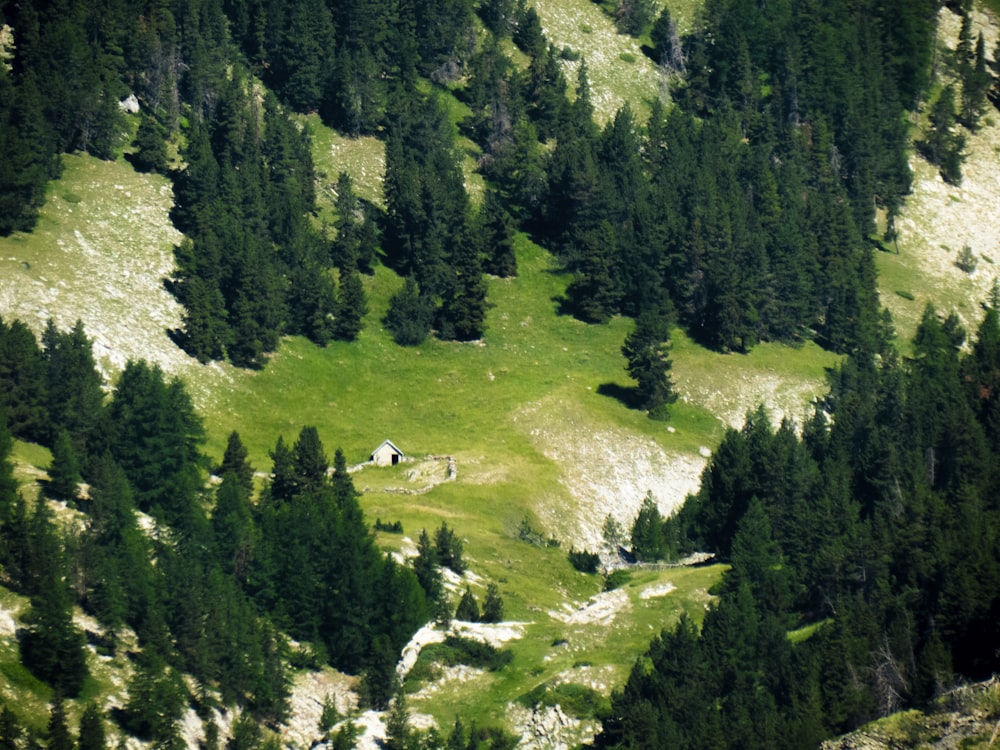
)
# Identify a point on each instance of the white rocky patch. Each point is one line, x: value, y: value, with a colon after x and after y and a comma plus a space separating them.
x: 598, y: 610
x: 660, y: 589
x: 8, y: 625
x: 549, y: 728
x: 309, y: 691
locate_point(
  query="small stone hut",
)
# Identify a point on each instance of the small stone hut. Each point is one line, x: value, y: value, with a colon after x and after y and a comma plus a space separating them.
x: 387, y: 454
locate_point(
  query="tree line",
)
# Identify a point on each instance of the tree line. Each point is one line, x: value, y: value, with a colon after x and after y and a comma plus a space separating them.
x: 745, y: 211
x: 864, y: 557
x: 229, y: 570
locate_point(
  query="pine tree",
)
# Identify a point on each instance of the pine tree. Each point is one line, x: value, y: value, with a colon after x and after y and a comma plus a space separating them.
x: 410, y: 315
x: 468, y: 607
x: 309, y: 461
x: 398, y: 733
x: 462, y: 316
x: 92, y: 734
x: 645, y: 350
x: 647, y: 531
x: 156, y: 440
x: 498, y: 233
x: 942, y: 145
x: 8, y: 482
x: 345, y: 249
x: 53, y: 649
x: 449, y: 549
x: 58, y: 729
x: 352, y: 305
x: 10, y: 730
x: 232, y: 523
x: 594, y: 292
x: 976, y: 81
x: 235, y: 460
x: 22, y: 382
x: 156, y: 697
x: 425, y: 566
x: 667, y: 42
x: 282, y: 473
x: 492, y: 605
x: 75, y: 388
x: 64, y: 473
x: 151, y: 146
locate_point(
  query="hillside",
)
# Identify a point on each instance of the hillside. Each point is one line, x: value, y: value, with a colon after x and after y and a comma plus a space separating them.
x: 518, y: 437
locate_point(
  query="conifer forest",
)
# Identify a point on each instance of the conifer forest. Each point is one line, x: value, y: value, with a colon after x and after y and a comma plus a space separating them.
x: 745, y: 206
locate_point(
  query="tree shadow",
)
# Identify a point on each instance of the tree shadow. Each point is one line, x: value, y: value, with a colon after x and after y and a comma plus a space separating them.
x: 627, y: 395
x: 563, y: 306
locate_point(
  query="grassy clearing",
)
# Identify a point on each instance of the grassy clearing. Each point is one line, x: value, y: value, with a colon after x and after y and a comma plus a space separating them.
x: 363, y: 158
x: 532, y: 415
x: 19, y: 689
x: 938, y: 220
x: 587, y: 30
x: 569, y: 644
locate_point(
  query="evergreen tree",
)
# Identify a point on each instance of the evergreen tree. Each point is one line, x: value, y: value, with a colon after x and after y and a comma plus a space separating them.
x: 156, y: 440
x: 74, y: 387
x: 976, y: 81
x: 647, y: 531
x: 64, y: 473
x: 309, y: 461
x: 28, y: 151
x: 52, y: 648
x: 22, y: 382
x: 398, y: 734
x: 594, y: 292
x: 344, y: 491
x: 667, y: 42
x: 645, y: 350
x: 151, y: 146
x: 352, y: 305
x: 498, y: 233
x: 942, y: 145
x: 463, y: 309
x: 634, y: 16
x: 232, y: 523
x: 468, y: 607
x: 346, y: 244
x: 156, y: 697
x: 283, y: 483
x: 8, y: 482
x: 492, y: 605
x: 118, y: 573
x: 92, y: 734
x: 235, y: 460
x: 10, y: 730
x: 425, y: 566
x: 449, y: 549
x: 410, y: 315
x: 58, y: 729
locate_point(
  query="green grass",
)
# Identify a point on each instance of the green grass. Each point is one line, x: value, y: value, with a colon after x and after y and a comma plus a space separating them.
x: 20, y: 690
x: 498, y: 406
x: 363, y: 158
x: 807, y: 631
x: 589, y: 31
x: 536, y: 382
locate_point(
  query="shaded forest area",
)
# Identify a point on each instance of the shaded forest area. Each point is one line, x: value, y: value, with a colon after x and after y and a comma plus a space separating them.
x: 865, y: 558
x: 212, y: 595
x: 746, y: 211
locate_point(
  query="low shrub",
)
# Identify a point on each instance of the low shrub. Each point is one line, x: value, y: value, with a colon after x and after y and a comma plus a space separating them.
x: 585, y: 562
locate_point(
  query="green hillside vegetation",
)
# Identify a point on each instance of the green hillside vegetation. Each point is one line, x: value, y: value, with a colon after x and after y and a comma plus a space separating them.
x: 464, y: 179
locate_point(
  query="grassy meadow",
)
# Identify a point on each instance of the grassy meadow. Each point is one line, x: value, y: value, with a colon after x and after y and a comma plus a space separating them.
x: 533, y: 415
